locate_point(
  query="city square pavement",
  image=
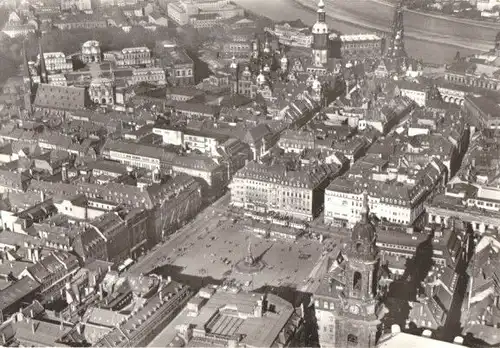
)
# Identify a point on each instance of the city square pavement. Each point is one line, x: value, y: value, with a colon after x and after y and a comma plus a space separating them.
x: 214, y: 254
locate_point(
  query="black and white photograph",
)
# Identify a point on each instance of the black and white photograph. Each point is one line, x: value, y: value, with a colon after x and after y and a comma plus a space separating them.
x: 250, y: 173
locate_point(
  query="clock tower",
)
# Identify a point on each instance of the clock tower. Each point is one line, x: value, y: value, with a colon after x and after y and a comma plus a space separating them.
x: 347, y: 303
x: 320, y: 33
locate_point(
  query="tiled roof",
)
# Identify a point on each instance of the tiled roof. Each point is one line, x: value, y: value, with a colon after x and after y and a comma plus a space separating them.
x: 17, y: 291
x: 60, y: 97
x: 307, y: 177
x: 198, y: 162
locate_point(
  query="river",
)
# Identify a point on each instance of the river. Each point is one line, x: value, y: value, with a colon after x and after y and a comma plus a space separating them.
x: 364, y: 16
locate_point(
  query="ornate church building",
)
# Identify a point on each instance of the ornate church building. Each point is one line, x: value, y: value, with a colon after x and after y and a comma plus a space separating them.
x: 348, y: 302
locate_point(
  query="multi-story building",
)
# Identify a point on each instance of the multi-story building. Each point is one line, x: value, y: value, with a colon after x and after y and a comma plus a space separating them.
x: 193, y: 110
x: 483, y: 112
x: 274, y: 188
x: 254, y: 313
x: 18, y: 29
x: 161, y: 300
x: 293, y: 34
x: 213, y: 174
x: 205, y: 142
x: 179, y: 65
x: 52, y: 272
x: 182, y: 11
x: 237, y: 49
x: 480, y: 314
x: 205, y: 20
x: 360, y: 46
x: 477, y: 205
x: 486, y: 5
x: 124, y: 235
x: 150, y: 75
x: 417, y: 92
x: 80, y: 21
x: 137, y: 56
x: 473, y: 74
x: 296, y: 141
x: 138, y: 155
x: 81, y: 5
x: 393, y: 201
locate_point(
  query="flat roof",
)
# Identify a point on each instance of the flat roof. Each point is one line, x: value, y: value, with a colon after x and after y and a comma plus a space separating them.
x: 257, y: 332
x: 402, y: 339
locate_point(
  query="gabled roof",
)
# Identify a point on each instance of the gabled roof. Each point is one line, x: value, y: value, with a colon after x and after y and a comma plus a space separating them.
x: 60, y: 97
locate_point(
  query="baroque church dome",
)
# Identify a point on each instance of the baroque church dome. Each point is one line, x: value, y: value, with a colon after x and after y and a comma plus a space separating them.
x: 363, y: 234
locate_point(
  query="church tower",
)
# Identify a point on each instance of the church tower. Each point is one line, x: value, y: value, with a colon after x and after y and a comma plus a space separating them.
x: 347, y: 304
x: 234, y: 71
x: 27, y: 82
x: 43, y: 67
x: 396, y: 47
x: 320, y: 32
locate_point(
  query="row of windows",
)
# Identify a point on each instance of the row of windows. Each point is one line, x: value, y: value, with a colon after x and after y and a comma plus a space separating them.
x: 189, y: 72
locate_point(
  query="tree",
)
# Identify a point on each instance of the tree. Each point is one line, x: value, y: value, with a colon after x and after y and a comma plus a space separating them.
x: 457, y: 56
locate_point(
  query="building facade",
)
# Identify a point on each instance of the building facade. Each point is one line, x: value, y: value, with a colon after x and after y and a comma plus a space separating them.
x: 400, y: 204
x: 296, y: 194
x: 137, y: 56
x: 360, y: 46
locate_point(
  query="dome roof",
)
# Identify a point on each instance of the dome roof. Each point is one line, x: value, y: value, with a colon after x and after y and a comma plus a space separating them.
x: 261, y: 79
x: 90, y: 43
x: 363, y: 231
x: 233, y: 64
x: 320, y: 28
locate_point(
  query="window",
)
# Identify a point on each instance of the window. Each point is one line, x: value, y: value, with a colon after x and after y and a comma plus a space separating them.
x: 356, y: 282
x: 352, y: 340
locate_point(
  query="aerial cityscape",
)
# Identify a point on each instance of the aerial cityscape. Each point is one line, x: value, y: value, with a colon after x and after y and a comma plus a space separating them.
x: 250, y: 173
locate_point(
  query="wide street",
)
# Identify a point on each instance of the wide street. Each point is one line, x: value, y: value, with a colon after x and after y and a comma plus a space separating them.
x: 206, y: 220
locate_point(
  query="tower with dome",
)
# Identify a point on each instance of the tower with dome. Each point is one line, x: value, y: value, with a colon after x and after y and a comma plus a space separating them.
x: 321, y: 41
x: 348, y: 304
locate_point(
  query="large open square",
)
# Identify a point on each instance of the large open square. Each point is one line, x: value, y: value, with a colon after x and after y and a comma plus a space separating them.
x: 286, y: 263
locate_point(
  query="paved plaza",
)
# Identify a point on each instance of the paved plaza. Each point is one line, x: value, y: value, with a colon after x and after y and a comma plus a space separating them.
x: 286, y: 262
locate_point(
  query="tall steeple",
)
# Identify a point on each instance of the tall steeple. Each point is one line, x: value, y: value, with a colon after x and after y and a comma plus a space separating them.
x: 26, y: 68
x: 43, y: 68
x: 396, y: 47
x: 365, y: 210
x: 320, y: 32
x: 27, y: 81
x: 321, y: 11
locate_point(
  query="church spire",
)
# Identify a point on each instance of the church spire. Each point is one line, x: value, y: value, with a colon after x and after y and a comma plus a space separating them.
x: 26, y: 68
x: 43, y: 68
x: 365, y: 210
x: 27, y: 81
x: 321, y: 11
